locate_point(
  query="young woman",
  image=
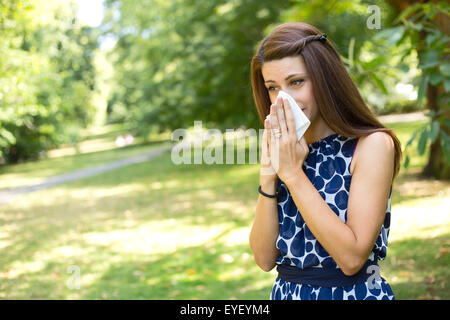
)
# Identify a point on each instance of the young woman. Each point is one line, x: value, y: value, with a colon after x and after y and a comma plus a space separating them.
x: 323, y: 215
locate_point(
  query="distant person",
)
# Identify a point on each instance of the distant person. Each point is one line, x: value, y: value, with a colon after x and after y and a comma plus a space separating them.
x: 323, y: 216
x: 124, y: 141
x: 129, y: 139
x: 120, y: 141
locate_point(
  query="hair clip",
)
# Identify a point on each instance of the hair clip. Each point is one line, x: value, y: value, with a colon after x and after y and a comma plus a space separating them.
x: 323, y: 38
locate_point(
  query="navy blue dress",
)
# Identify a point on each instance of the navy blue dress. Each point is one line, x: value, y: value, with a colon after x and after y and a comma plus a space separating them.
x: 328, y: 168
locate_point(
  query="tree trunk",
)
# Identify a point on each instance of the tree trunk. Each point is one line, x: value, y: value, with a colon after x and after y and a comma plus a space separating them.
x: 437, y: 165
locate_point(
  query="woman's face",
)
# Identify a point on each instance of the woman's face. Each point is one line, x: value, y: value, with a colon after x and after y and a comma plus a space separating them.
x: 289, y: 74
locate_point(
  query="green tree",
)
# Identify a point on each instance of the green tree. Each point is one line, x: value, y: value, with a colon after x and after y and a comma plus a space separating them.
x: 46, y: 76
x: 179, y: 61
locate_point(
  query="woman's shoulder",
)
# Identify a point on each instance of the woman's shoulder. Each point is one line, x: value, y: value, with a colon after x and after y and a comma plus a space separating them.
x: 376, y: 141
x: 376, y: 146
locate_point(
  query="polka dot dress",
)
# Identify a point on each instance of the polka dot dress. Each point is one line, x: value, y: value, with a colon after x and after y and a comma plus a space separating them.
x: 328, y: 168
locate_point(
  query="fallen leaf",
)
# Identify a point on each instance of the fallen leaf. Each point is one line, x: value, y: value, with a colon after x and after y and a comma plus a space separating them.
x: 5, y: 274
x: 174, y: 293
x: 430, y: 290
x: 443, y: 251
x: 405, y: 274
x: 137, y: 273
x: 430, y: 279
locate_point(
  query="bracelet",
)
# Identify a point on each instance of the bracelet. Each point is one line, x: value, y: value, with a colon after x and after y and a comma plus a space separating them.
x: 267, y: 195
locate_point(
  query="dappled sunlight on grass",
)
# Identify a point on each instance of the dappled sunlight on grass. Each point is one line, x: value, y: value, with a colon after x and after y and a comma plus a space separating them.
x: 411, y: 187
x: 417, y: 267
x: 155, y: 238
x: 84, y: 193
x: 421, y: 219
x: 171, y: 184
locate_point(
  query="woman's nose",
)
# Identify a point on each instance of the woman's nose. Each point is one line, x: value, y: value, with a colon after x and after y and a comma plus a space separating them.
x: 288, y: 91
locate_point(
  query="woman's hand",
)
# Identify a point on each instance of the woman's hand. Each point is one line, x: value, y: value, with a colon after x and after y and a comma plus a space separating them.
x: 287, y: 154
x: 266, y: 172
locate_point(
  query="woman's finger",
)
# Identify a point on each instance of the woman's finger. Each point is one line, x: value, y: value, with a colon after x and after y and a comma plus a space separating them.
x: 289, y: 119
x: 274, y: 125
x: 266, y: 165
x: 268, y: 131
x: 274, y: 138
x: 282, y: 118
x: 266, y: 137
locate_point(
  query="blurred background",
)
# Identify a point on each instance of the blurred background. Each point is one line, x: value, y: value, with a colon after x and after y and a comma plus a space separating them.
x: 91, y: 205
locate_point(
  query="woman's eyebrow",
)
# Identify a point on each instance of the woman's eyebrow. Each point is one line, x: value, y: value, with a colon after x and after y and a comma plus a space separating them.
x: 288, y: 77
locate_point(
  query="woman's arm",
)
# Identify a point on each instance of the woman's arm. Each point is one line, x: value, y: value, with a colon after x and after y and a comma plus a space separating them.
x: 265, y: 229
x: 350, y: 243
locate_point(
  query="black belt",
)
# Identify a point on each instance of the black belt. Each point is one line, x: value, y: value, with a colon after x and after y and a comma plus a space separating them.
x: 327, y: 277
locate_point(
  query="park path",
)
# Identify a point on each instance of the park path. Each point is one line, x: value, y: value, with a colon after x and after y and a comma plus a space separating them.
x: 13, y: 193
x: 404, y: 117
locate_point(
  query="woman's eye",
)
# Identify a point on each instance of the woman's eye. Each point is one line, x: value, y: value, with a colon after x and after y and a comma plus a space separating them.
x: 297, y: 82
x: 271, y: 88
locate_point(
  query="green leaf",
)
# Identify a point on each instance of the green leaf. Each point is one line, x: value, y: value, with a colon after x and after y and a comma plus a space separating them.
x: 408, y: 11
x: 445, y: 69
x: 351, y: 51
x: 445, y: 137
x: 445, y: 144
x: 406, y: 163
x: 447, y: 84
x: 379, y: 83
x: 434, y: 132
x: 431, y: 56
x: 412, y: 138
x: 396, y: 35
x: 435, y: 78
x: 384, y: 34
x: 446, y: 153
x: 417, y: 26
x: 375, y: 62
x: 428, y: 65
x: 404, y: 68
x: 7, y: 136
x: 432, y: 37
x: 422, y: 141
x: 392, y: 35
x: 430, y: 59
x: 422, y: 88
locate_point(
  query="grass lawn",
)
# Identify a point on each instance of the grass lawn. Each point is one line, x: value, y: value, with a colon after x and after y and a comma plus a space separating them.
x: 155, y: 230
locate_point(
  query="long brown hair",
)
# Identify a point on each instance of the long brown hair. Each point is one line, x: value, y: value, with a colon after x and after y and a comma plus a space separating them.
x: 338, y: 99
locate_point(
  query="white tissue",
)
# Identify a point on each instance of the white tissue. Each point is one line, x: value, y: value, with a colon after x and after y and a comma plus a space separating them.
x: 301, y: 120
